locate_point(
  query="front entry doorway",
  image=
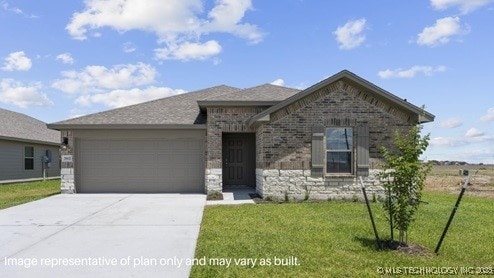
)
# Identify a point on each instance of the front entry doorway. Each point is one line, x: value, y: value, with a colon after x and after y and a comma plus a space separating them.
x: 239, y: 159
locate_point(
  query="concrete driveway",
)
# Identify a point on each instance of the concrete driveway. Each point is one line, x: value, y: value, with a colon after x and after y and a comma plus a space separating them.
x: 101, y: 235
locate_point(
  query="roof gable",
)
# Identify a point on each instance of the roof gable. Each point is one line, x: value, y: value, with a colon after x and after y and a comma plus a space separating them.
x: 352, y: 79
x: 20, y: 127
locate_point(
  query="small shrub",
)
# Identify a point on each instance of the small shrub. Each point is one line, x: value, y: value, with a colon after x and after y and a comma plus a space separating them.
x: 268, y: 199
x: 214, y: 196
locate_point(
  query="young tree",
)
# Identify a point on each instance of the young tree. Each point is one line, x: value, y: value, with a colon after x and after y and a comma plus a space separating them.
x: 406, y: 175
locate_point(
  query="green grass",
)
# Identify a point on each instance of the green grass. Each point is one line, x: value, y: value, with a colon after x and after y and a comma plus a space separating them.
x: 19, y: 193
x: 335, y: 239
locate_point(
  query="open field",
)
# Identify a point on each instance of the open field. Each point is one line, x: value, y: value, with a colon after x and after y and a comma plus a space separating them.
x: 446, y: 178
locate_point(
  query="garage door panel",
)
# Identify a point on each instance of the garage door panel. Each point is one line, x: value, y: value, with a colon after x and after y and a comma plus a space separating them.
x: 146, y: 166
x: 121, y: 159
x: 135, y: 145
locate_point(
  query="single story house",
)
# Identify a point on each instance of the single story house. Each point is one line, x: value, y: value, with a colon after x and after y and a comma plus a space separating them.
x: 282, y: 141
x: 29, y: 150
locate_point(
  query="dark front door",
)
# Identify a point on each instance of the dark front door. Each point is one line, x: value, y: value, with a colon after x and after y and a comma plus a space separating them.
x: 239, y: 159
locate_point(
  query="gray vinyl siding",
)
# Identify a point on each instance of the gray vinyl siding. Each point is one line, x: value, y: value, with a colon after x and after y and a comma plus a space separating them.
x: 12, y: 160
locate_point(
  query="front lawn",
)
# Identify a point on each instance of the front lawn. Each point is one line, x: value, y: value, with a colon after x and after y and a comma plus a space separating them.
x: 335, y: 239
x: 18, y: 193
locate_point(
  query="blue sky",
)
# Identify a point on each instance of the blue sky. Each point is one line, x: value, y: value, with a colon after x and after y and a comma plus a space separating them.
x: 72, y: 58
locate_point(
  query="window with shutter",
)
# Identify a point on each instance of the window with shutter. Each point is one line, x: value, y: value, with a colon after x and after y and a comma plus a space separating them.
x: 335, y: 149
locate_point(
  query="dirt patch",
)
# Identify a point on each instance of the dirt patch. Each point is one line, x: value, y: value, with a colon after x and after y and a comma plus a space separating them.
x: 409, y: 249
x: 215, y: 196
x: 414, y: 250
x: 447, y: 179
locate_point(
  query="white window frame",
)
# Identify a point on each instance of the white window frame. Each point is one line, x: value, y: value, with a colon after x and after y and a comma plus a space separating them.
x: 28, y: 157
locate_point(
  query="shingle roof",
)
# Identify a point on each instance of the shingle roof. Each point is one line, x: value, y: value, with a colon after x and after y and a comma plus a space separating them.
x: 176, y: 110
x: 265, y: 92
x: 20, y: 127
x: 188, y: 110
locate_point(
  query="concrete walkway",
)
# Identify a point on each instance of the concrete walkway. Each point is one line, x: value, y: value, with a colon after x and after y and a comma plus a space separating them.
x: 101, y: 235
x: 235, y: 196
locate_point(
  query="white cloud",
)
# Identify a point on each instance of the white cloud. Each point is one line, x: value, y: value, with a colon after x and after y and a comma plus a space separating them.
x: 278, y: 82
x: 478, y: 154
x: 489, y: 117
x: 118, y: 86
x: 175, y: 22
x: 119, y: 98
x: 65, y: 58
x: 98, y: 78
x: 446, y: 141
x: 129, y: 47
x: 441, y: 32
x: 473, y: 146
x: 411, y: 72
x: 216, y: 61
x: 350, y: 35
x: 451, y: 123
x: 465, y: 6
x: 472, y: 136
x: 226, y: 17
x: 189, y: 51
x: 473, y: 132
x: 17, y: 61
x: 5, y: 6
x: 22, y: 95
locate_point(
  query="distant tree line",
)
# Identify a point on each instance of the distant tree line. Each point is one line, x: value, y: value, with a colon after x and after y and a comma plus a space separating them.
x: 450, y: 162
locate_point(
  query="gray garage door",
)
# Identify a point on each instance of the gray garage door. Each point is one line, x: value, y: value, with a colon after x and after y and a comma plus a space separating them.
x: 140, y: 166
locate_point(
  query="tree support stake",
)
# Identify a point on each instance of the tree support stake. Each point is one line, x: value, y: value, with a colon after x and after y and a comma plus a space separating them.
x: 467, y: 180
x: 378, y: 242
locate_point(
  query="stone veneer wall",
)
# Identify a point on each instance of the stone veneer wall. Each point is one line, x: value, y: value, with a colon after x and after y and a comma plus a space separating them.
x: 214, y: 180
x: 223, y: 119
x: 299, y: 185
x: 284, y: 144
x: 67, y: 183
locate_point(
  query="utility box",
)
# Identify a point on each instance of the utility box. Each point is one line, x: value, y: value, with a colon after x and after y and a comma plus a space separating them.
x: 464, y: 172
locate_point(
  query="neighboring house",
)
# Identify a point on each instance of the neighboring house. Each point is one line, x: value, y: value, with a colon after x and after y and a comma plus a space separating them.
x: 282, y: 141
x: 24, y: 143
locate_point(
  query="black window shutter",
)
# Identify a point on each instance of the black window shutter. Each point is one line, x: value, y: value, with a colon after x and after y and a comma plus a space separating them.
x: 318, y: 151
x: 363, y: 150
